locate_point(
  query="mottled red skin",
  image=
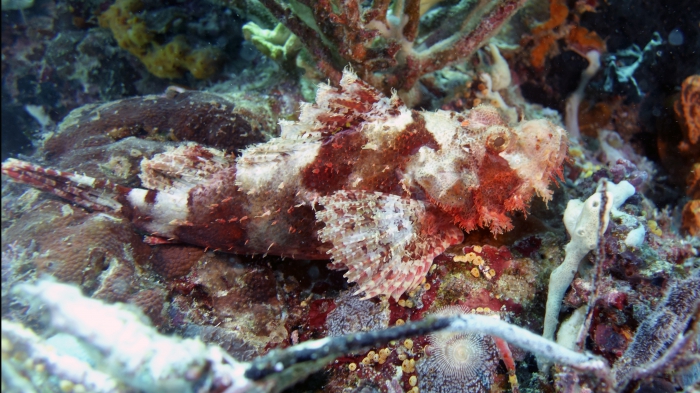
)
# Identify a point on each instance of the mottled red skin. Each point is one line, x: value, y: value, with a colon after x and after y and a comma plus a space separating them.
x: 217, y: 209
x: 343, y: 152
x: 353, y: 142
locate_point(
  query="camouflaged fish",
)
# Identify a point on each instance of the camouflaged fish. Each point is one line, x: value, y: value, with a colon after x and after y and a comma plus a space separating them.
x: 360, y: 178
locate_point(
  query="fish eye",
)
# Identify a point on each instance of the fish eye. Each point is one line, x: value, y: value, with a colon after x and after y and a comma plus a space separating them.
x: 498, y: 139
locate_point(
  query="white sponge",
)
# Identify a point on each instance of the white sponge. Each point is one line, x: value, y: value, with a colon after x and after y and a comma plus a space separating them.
x: 583, y: 223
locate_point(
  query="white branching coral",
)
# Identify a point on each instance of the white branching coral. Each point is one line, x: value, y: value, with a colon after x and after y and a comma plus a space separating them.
x: 134, y: 352
x: 137, y: 356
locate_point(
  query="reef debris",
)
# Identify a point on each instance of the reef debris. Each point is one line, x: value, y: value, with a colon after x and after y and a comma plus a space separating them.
x: 188, y: 365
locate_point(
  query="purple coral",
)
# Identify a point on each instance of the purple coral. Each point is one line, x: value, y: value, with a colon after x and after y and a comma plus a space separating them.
x: 352, y: 314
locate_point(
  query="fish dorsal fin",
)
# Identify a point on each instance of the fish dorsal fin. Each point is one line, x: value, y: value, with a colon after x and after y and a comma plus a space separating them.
x: 181, y: 168
x: 386, y: 242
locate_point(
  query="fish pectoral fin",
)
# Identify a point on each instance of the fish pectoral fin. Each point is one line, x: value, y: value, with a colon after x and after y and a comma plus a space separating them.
x: 386, y: 242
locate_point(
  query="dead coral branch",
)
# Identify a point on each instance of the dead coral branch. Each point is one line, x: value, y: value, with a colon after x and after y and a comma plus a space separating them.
x: 390, y: 48
x: 161, y: 363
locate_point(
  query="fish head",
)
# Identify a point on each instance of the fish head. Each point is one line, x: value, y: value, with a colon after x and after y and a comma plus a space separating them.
x: 484, y: 167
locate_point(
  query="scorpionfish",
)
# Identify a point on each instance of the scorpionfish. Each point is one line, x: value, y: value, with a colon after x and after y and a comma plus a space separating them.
x: 379, y: 188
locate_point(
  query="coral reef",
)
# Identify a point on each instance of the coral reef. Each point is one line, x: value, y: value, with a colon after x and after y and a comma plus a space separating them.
x: 546, y: 34
x: 262, y: 243
x: 199, y: 197
x: 585, y: 222
x: 186, y: 364
x: 390, y: 48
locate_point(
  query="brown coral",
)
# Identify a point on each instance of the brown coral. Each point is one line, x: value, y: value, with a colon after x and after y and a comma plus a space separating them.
x: 94, y: 250
x: 152, y: 303
x: 386, y: 47
x: 687, y: 109
x: 174, y: 261
x: 207, y: 118
x: 691, y: 217
x: 691, y: 211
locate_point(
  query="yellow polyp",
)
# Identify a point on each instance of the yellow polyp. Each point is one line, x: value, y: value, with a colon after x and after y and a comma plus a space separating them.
x: 460, y: 258
x: 513, y: 380
x: 654, y: 228
x: 164, y: 61
x: 408, y: 343
x: 475, y: 272
x: 408, y: 366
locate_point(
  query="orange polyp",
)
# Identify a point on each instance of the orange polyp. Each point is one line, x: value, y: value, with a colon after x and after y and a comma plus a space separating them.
x: 584, y: 41
x: 539, y: 53
x: 558, y: 12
